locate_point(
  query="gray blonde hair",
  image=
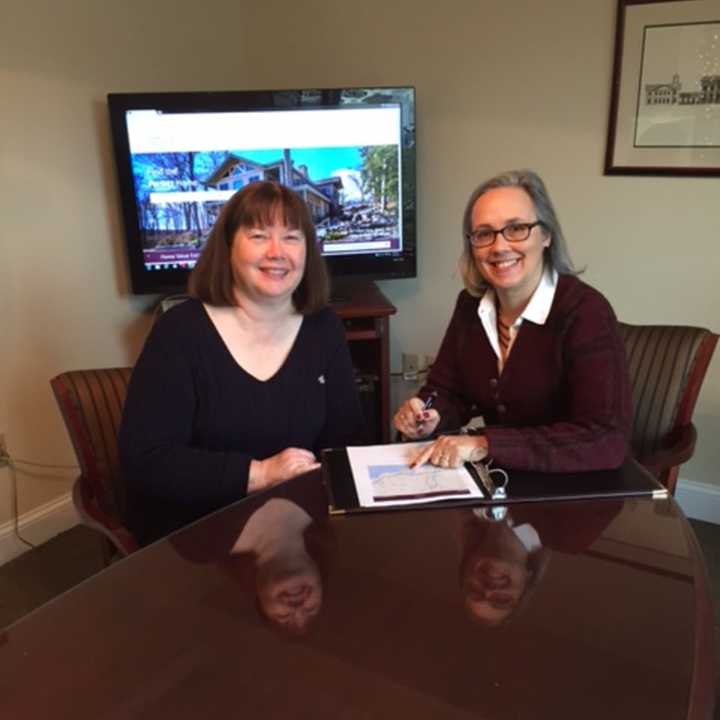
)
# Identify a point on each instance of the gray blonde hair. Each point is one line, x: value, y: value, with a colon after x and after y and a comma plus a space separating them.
x: 556, y: 255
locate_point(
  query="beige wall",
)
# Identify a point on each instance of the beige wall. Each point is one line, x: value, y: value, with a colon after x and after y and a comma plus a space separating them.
x: 499, y: 85
x: 63, y: 284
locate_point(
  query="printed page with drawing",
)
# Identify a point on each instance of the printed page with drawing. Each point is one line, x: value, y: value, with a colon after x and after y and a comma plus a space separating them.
x: 383, y: 477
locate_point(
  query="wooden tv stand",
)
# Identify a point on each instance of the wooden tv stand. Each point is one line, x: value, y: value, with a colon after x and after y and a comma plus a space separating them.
x: 365, y: 312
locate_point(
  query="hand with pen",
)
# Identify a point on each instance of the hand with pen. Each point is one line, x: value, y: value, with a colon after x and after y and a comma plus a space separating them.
x: 416, y: 420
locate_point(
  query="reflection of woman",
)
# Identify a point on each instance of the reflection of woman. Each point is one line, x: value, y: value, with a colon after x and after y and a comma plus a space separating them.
x: 289, y: 588
x: 504, y: 561
x: 271, y: 547
x: 240, y: 387
x: 530, y: 347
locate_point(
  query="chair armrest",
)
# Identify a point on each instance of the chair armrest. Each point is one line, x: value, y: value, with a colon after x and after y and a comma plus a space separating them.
x: 677, y: 449
x: 94, y: 517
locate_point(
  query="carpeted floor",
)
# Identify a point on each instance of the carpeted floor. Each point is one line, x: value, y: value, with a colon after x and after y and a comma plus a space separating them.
x: 47, y: 571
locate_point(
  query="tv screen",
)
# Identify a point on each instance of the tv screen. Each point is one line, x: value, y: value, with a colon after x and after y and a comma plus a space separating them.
x: 349, y: 152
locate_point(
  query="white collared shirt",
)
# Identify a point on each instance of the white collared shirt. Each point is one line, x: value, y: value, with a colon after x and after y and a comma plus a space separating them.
x: 537, y: 311
x: 525, y: 533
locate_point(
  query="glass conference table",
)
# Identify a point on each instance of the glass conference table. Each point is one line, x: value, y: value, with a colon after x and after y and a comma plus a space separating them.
x: 272, y: 609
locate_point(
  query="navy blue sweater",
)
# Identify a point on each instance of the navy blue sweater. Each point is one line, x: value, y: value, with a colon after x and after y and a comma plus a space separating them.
x: 194, y: 419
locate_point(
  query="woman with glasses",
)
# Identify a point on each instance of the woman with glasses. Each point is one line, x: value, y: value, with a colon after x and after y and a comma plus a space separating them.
x: 530, y: 348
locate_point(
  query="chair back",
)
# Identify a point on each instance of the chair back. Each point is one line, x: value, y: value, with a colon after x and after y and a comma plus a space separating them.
x: 667, y: 366
x: 91, y: 403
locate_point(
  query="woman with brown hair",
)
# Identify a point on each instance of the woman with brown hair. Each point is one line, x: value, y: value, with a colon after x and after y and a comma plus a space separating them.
x: 241, y: 386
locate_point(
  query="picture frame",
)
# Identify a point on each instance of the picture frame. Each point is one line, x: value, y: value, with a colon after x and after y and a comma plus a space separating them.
x: 665, y: 99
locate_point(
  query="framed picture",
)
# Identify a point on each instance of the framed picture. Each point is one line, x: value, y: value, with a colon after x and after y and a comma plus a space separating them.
x: 665, y: 104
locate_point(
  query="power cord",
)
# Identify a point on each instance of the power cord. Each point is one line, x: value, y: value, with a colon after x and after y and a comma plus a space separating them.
x: 41, y: 465
x: 6, y: 460
x: 14, y: 503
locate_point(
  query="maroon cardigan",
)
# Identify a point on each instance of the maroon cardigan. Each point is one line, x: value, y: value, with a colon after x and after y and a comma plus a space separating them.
x: 562, y: 403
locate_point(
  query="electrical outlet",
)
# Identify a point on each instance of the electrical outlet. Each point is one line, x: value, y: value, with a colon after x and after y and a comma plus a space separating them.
x: 423, y: 363
x: 410, y: 365
x: 414, y: 364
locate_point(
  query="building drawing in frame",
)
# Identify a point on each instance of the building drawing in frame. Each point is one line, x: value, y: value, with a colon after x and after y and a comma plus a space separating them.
x: 678, y: 103
x: 671, y: 93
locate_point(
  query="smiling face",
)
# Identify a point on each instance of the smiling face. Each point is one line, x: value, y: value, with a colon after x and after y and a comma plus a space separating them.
x: 513, y: 269
x: 292, y: 598
x: 268, y: 262
x: 493, y: 588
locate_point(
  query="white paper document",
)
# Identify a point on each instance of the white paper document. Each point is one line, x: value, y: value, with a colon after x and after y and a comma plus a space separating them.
x: 383, y: 476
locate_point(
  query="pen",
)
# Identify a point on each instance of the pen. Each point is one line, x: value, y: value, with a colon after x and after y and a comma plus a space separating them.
x: 426, y: 406
x: 429, y: 400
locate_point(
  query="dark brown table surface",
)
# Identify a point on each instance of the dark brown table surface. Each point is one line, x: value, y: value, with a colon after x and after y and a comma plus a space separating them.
x: 369, y: 616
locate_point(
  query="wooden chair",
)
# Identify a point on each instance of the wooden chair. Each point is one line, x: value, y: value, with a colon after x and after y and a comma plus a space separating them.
x: 91, y: 403
x: 667, y: 367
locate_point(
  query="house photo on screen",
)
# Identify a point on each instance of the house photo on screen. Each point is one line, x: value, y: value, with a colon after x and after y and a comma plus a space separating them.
x: 348, y: 158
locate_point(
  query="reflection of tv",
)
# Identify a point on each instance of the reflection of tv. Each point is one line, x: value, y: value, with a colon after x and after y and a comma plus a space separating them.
x: 349, y: 152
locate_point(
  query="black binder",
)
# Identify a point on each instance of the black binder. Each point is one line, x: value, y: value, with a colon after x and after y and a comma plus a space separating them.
x: 629, y: 480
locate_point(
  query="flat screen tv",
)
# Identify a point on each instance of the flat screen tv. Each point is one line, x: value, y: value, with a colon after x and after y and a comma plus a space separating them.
x: 349, y: 152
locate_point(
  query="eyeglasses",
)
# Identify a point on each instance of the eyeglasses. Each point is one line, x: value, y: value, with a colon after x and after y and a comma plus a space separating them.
x: 513, y: 232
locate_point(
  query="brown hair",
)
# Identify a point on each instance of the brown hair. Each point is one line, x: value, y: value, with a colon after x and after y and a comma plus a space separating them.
x: 259, y: 203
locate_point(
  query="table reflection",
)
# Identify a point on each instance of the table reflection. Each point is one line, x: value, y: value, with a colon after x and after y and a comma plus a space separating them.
x: 287, y: 579
x: 273, y: 547
x: 505, y: 553
x: 601, y: 608
x: 502, y: 562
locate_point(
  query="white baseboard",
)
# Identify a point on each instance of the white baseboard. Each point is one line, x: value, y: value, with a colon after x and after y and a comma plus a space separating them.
x: 699, y: 501
x: 37, y: 527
